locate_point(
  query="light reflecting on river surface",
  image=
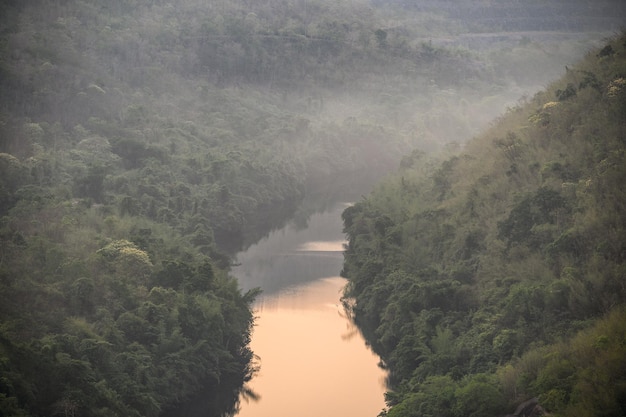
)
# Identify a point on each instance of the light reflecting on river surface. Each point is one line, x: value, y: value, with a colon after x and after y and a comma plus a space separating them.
x: 336, y: 246
x: 314, y: 362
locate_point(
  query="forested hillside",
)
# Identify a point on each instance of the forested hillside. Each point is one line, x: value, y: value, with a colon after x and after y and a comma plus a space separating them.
x: 213, y: 117
x: 497, y: 275
x: 143, y: 142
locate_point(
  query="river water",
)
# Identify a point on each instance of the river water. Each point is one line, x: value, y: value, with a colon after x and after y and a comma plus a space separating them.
x: 313, y: 360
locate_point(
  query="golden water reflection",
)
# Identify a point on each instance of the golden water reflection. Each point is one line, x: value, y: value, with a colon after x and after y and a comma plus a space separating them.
x: 313, y: 360
x: 323, y: 246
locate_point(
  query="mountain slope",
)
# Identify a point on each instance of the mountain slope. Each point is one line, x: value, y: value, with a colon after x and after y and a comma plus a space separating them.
x: 457, y: 269
x: 142, y: 142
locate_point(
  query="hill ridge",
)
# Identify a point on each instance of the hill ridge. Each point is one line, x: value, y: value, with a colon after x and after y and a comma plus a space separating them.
x: 460, y: 273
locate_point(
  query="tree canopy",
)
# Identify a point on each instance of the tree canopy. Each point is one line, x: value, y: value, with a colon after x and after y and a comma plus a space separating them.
x: 498, y: 275
x: 143, y: 142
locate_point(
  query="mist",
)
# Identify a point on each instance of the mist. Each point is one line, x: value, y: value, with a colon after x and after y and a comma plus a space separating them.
x: 144, y: 143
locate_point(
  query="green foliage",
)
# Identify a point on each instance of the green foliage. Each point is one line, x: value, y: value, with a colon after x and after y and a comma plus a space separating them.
x: 141, y: 144
x: 585, y: 375
x: 479, y: 396
x: 95, y: 313
x: 460, y: 273
x: 525, y: 219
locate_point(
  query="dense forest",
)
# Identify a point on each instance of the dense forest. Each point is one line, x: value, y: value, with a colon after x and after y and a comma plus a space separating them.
x: 494, y: 279
x: 144, y: 142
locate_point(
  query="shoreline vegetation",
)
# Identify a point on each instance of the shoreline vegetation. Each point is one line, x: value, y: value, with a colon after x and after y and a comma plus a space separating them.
x: 498, y: 276
x: 144, y: 142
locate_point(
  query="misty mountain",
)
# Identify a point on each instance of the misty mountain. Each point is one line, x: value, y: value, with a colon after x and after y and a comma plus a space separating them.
x: 143, y: 142
x: 493, y: 279
x: 552, y: 15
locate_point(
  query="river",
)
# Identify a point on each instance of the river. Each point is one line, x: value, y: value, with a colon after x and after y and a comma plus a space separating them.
x: 313, y: 360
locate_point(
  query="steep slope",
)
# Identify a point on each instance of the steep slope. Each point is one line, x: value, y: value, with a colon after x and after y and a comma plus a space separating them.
x: 212, y: 117
x: 142, y: 141
x: 458, y: 268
